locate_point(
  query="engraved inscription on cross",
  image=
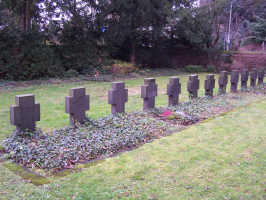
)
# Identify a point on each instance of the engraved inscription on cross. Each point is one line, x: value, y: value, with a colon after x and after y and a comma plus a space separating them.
x: 253, y: 78
x: 234, y: 80
x: 117, y: 97
x: 244, y: 79
x: 193, y: 86
x: 209, y: 85
x: 148, y: 93
x: 223, y: 80
x: 25, y: 113
x: 76, y: 105
x: 173, y: 91
x: 260, y: 77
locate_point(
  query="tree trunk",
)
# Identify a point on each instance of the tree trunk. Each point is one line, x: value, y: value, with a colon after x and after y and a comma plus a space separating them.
x: 28, y: 15
x: 22, y: 15
x: 229, y: 29
x: 25, y: 15
x: 133, y: 53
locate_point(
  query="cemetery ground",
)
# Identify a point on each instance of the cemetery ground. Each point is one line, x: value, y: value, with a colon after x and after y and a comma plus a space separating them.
x: 52, y: 99
x: 220, y: 158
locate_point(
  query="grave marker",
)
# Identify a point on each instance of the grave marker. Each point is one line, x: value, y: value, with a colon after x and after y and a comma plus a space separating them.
x: 173, y: 91
x: 148, y: 93
x: 77, y: 104
x: 260, y: 77
x: 117, y: 97
x: 244, y: 79
x: 209, y: 85
x: 25, y: 113
x: 223, y: 80
x: 193, y: 86
x: 253, y: 78
x: 234, y: 80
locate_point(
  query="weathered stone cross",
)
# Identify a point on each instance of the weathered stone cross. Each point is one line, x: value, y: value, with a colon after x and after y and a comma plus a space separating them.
x: 244, y: 79
x: 25, y: 113
x: 234, y: 80
x: 193, y: 86
x: 253, y: 78
x: 173, y: 91
x: 260, y: 77
x: 77, y: 104
x: 209, y: 85
x: 148, y: 93
x: 223, y: 80
x: 118, y: 97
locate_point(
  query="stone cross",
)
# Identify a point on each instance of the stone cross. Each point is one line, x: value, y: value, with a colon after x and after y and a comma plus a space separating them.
x: 117, y: 97
x: 209, y: 85
x: 173, y: 91
x: 244, y: 79
x: 148, y: 93
x: 234, y: 80
x: 193, y: 86
x: 76, y: 105
x: 223, y: 80
x: 253, y: 78
x: 260, y: 77
x: 25, y: 113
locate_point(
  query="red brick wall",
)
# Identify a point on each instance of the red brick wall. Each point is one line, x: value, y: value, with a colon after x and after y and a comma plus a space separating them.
x: 239, y: 60
x: 248, y: 60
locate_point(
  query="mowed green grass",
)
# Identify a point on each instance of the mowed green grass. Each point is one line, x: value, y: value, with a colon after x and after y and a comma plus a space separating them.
x: 223, y: 158
x: 52, y: 100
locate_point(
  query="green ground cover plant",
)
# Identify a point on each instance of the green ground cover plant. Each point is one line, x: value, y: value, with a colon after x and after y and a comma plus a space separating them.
x: 97, y: 139
x: 64, y: 148
x: 133, y: 179
x: 51, y: 97
x: 222, y: 158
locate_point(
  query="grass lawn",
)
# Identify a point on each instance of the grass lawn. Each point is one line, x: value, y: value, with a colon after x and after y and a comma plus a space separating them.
x: 223, y: 158
x: 51, y: 97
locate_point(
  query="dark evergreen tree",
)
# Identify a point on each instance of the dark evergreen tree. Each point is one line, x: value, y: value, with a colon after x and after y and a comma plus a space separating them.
x: 130, y: 21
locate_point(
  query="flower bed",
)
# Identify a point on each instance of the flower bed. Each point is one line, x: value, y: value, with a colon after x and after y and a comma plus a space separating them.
x: 66, y: 147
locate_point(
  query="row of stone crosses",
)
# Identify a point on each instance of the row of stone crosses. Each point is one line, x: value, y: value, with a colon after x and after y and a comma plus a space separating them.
x: 26, y: 112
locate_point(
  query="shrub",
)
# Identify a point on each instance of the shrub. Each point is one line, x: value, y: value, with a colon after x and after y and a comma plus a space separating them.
x: 199, y: 68
x: 194, y: 68
x: 31, y: 55
x: 24, y: 56
x: 211, y: 68
x: 121, y: 67
x: 228, y: 57
x: 71, y: 73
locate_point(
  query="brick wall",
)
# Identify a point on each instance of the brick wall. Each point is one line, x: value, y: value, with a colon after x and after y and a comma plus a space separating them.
x: 239, y: 60
x: 248, y: 60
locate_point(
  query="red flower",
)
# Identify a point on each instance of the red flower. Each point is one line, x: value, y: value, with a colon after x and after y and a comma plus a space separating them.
x: 166, y: 113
